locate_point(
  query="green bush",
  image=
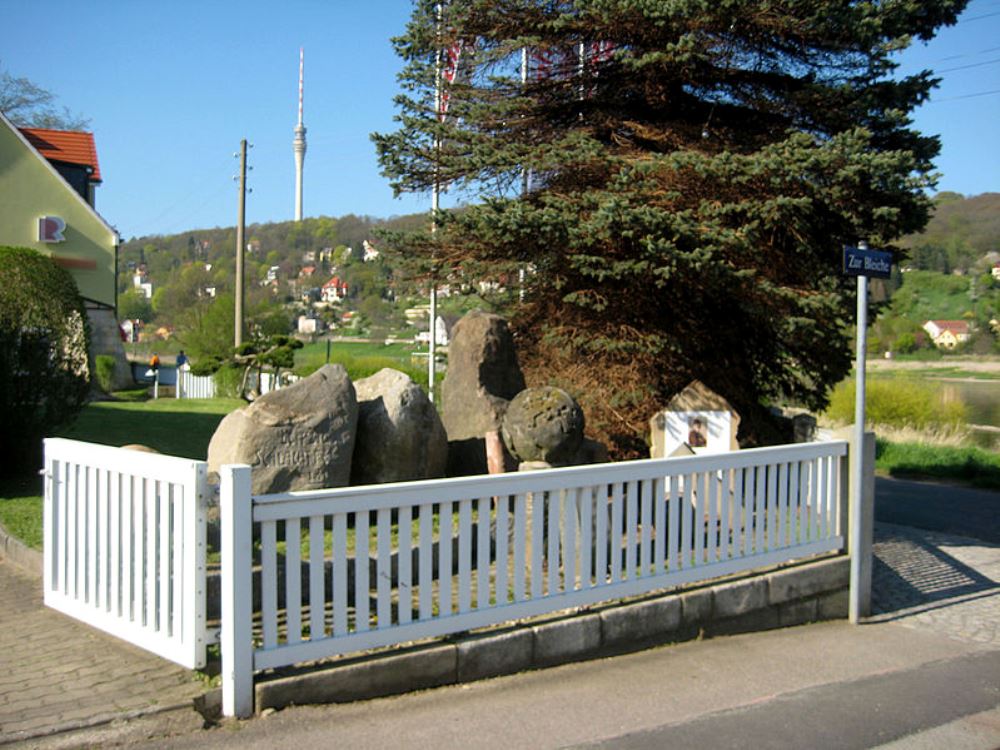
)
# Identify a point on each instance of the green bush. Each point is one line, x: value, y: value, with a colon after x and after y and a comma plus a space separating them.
x: 897, y: 403
x: 44, y: 338
x: 104, y: 369
x: 228, y: 380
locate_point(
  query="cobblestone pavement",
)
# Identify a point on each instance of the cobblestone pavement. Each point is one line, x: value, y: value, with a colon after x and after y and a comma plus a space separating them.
x: 941, y: 582
x: 57, y: 673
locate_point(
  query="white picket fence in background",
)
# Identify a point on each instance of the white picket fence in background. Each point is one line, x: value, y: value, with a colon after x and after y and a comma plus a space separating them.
x: 125, y: 545
x: 194, y: 386
x: 444, y: 556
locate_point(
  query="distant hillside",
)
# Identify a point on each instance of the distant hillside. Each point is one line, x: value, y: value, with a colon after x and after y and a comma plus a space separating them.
x: 959, y: 235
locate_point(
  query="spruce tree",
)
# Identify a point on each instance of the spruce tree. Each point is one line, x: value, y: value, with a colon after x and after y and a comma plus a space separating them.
x: 677, y: 177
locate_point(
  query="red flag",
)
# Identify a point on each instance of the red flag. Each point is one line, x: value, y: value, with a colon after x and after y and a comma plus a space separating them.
x: 449, y: 70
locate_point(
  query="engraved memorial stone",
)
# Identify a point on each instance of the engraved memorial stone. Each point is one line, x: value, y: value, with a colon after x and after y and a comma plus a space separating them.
x: 296, y: 438
x: 543, y: 424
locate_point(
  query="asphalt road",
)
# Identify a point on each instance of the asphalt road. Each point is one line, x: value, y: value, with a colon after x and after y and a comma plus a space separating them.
x: 939, y: 507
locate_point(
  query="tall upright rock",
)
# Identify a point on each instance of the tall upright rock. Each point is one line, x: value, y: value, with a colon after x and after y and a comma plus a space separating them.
x: 483, y: 376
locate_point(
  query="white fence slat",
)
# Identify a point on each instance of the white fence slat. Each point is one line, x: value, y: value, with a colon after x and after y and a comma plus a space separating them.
x: 426, y: 562
x: 585, y: 502
x: 269, y: 583
x: 659, y: 525
x: 687, y: 520
x: 465, y: 556
x: 405, y: 565
x: 362, y: 561
x: 712, y: 535
x: 176, y: 610
x: 317, y: 579
x: 162, y: 581
x: 793, y: 503
x: 568, y: 520
x: 383, y: 568
x: 502, y: 556
x: 521, y: 563
x: 90, y: 551
x: 483, y: 552
x: 338, y: 574
x: 151, y: 563
x: 725, y: 514
x: 646, y: 514
x: 236, y: 515
x: 699, y: 517
x: 445, y: 569
x: 114, y: 541
x: 599, y: 495
x: 139, y: 550
x: 783, y: 504
x: 616, y: 531
x: 673, y: 523
x: 553, y: 515
x: 631, y: 529
x: 770, y: 530
x: 760, y: 509
x: 293, y: 580
x: 808, y: 500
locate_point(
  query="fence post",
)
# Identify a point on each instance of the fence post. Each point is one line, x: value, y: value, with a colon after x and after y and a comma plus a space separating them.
x: 236, y: 517
x: 862, y: 530
x: 49, y: 522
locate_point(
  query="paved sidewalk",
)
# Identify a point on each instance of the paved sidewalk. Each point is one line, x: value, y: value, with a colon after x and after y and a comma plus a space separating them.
x: 943, y: 583
x: 58, y: 674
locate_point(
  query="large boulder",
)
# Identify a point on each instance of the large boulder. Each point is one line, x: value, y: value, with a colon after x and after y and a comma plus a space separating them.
x: 483, y: 375
x: 297, y: 438
x: 544, y: 424
x: 400, y: 435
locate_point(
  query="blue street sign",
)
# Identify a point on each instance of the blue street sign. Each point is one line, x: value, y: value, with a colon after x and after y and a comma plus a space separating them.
x: 862, y: 262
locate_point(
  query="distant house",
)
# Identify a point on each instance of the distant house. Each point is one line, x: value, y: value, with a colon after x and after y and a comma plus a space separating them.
x: 309, y: 325
x: 947, y: 334
x: 442, y: 331
x: 335, y: 290
x: 307, y: 271
x: 371, y: 253
x: 996, y: 271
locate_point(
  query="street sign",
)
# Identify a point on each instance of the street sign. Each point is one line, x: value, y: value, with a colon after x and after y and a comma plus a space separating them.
x: 863, y: 262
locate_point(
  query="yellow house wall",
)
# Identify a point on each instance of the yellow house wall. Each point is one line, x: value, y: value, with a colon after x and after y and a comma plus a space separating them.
x: 29, y: 189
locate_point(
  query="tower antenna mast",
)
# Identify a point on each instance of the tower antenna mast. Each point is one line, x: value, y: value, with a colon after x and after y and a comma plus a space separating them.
x: 299, y: 144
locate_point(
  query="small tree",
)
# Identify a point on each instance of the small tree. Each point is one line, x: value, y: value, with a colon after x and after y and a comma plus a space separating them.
x: 44, y: 336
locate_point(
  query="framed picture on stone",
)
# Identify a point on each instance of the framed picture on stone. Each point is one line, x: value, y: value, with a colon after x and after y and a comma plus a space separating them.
x: 701, y: 431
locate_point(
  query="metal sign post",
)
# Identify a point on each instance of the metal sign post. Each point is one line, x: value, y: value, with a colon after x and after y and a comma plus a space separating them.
x: 861, y: 262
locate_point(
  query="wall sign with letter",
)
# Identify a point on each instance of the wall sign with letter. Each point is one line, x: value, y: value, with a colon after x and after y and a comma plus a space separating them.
x: 50, y: 229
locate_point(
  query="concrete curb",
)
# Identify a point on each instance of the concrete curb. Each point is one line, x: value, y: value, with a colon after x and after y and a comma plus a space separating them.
x: 17, y: 552
x: 807, y: 592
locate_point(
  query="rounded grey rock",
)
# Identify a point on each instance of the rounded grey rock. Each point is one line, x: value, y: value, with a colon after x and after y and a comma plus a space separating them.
x: 543, y: 424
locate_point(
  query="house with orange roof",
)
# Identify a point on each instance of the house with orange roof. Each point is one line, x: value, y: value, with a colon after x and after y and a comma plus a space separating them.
x: 947, y: 334
x: 48, y: 180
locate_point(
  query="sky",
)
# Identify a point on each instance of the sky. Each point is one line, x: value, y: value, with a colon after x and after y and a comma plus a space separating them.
x: 171, y: 88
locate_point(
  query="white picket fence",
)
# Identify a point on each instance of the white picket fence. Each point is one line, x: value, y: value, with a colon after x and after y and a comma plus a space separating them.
x: 443, y: 556
x: 203, y: 386
x: 125, y: 545
x: 194, y: 386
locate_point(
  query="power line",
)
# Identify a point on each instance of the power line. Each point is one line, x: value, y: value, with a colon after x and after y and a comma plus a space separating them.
x: 970, y: 65
x: 965, y: 96
x: 979, y: 18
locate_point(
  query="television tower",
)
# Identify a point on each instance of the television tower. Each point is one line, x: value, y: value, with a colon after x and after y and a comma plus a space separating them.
x: 299, y: 146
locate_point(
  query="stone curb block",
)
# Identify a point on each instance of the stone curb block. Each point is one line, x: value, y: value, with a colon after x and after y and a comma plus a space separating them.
x: 739, y: 597
x: 640, y: 621
x: 696, y: 607
x: 797, y: 613
x: 563, y: 640
x: 17, y: 552
x: 386, y: 675
x: 495, y: 654
x: 807, y: 580
x: 833, y: 606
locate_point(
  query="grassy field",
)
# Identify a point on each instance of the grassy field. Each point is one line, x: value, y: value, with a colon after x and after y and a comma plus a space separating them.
x: 171, y: 426
x: 362, y: 359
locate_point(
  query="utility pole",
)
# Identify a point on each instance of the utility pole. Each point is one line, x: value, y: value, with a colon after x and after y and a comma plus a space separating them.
x: 240, y: 244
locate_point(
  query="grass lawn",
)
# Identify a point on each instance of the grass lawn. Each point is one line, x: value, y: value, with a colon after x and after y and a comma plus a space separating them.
x: 975, y: 466
x: 176, y: 427
x: 362, y: 359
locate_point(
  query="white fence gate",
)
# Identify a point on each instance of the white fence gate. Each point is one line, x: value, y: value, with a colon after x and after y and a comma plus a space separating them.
x: 125, y: 535
x: 445, y: 556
